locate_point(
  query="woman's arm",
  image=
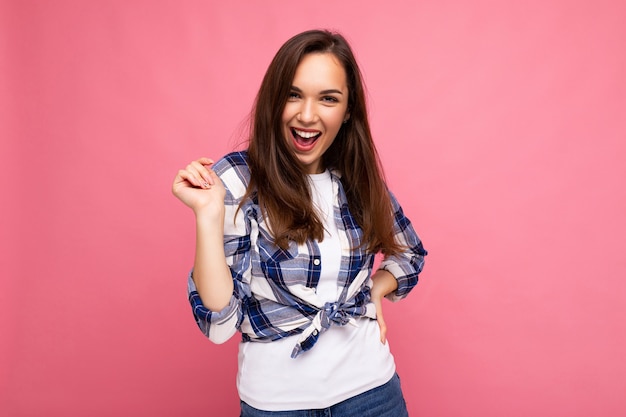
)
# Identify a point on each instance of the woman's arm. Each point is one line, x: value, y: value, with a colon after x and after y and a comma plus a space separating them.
x: 198, y: 187
x: 406, y: 265
x: 397, y: 274
x: 211, y: 274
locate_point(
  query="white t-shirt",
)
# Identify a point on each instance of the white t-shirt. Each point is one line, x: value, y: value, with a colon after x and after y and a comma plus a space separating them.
x: 346, y: 361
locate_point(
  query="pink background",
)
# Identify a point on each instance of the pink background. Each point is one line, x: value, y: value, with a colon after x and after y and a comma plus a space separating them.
x: 502, y: 129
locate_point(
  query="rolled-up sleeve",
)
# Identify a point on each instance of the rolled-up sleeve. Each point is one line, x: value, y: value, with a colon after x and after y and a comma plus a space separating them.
x: 406, y: 265
x: 219, y: 326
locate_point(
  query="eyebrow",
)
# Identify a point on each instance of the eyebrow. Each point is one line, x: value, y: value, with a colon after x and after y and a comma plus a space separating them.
x: 331, y: 91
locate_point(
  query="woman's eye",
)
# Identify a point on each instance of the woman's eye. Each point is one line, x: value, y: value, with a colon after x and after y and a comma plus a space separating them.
x: 293, y: 95
x: 330, y: 99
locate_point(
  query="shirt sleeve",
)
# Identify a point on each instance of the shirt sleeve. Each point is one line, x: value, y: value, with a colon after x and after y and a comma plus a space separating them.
x: 219, y: 326
x: 406, y: 265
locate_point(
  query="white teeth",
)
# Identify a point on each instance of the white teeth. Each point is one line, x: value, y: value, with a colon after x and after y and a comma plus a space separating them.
x: 306, y: 135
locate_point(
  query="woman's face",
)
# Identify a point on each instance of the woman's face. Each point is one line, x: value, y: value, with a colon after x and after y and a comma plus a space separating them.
x: 316, y: 108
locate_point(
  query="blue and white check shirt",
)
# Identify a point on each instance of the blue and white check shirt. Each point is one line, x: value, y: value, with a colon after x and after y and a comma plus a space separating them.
x: 275, y: 289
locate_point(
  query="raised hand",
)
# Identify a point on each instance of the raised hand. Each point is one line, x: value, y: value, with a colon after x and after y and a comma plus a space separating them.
x: 198, y: 187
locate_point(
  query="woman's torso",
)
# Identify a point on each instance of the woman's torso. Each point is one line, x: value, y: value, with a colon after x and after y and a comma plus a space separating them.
x: 346, y: 361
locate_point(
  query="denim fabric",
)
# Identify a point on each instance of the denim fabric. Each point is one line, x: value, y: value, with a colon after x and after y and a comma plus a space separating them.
x: 383, y: 401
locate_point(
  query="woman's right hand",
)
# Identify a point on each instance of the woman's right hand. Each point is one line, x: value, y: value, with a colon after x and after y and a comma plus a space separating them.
x: 198, y: 187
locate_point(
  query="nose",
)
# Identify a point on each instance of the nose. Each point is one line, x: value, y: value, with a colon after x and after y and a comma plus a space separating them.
x: 307, y: 112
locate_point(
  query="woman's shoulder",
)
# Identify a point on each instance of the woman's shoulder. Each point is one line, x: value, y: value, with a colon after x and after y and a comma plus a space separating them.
x: 233, y: 161
x: 234, y: 172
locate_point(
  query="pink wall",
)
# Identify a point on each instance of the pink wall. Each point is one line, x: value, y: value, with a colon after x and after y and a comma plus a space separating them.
x: 501, y: 125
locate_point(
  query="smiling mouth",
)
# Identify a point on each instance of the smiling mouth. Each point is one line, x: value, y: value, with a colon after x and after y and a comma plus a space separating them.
x: 305, y: 139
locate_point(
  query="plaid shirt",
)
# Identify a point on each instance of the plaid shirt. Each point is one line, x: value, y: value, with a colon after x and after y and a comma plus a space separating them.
x: 274, y: 295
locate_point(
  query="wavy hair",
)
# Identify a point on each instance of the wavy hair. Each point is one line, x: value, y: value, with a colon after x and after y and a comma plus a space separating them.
x: 277, y: 177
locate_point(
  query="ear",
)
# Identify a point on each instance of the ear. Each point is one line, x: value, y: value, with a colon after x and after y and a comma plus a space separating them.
x: 346, y: 118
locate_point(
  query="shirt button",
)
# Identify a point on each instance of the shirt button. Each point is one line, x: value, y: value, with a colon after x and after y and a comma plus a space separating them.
x: 316, y: 262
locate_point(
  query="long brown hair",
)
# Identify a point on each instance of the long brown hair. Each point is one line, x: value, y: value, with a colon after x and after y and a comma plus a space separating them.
x: 277, y: 178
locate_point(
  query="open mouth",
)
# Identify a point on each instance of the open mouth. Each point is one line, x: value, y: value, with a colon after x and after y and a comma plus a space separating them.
x: 305, y: 139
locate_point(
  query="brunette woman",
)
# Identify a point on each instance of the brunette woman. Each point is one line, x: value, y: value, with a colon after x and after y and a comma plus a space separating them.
x: 286, y: 233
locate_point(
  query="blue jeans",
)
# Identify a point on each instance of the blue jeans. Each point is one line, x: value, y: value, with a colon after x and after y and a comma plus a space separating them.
x: 383, y: 401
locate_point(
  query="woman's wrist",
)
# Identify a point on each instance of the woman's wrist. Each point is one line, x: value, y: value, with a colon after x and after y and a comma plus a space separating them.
x: 210, y: 216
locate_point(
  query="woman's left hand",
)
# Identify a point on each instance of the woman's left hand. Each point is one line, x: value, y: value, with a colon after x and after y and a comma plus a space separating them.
x: 383, y: 283
x: 379, y: 318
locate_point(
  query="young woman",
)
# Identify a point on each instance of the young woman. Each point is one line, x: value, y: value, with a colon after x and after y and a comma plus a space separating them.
x: 286, y: 234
